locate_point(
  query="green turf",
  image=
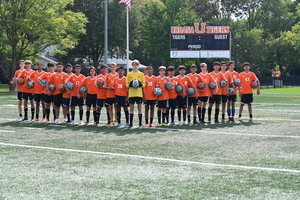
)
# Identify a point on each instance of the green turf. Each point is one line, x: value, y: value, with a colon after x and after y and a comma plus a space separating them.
x: 271, y: 141
x: 289, y: 90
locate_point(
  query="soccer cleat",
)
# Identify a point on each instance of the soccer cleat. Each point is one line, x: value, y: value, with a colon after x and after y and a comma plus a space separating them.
x: 118, y: 125
x: 195, y: 122
x: 35, y: 120
x: 172, y: 123
x: 95, y: 123
x: 223, y: 120
x: 147, y: 125
x: 25, y: 119
x: 45, y: 120
x: 185, y: 123
x: 140, y: 126
x: 178, y: 123
x: 81, y: 122
x: 152, y: 125
x: 71, y: 122
x: 56, y: 121
x: 203, y: 122
x: 164, y: 124
x: 251, y: 118
x: 87, y: 123
x: 232, y: 119
x: 209, y: 121
x: 65, y: 121
x: 20, y: 119
x: 111, y: 123
x: 126, y: 125
x: 216, y: 121
x: 239, y: 118
x: 158, y: 124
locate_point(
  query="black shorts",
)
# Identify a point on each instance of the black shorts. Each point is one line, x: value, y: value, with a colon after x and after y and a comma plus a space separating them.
x: 101, y: 103
x: 192, y: 101
x: 203, y: 99
x: 137, y: 100
x: 247, y: 99
x: 172, y: 104
x: 110, y: 101
x: 232, y: 98
x: 215, y: 99
x: 224, y: 98
x: 48, y: 99
x: 91, y: 99
x: 66, y: 102
x: 182, y: 102
x: 38, y: 97
x: 74, y: 101
x: 27, y: 96
x: 57, y: 100
x: 120, y: 101
x: 20, y: 96
x: 162, y: 104
x: 150, y: 102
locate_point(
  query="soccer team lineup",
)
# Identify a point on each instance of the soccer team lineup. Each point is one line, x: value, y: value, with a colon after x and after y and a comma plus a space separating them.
x: 188, y: 98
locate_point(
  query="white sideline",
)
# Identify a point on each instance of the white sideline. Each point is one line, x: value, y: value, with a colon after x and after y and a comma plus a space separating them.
x: 155, y: 158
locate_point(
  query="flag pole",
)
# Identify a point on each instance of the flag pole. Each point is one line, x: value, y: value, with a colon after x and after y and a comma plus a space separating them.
x: 105, y: 32
x: 127, y: 38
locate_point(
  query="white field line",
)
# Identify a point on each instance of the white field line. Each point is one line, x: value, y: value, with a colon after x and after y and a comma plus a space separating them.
x: 5, y: 131
x: 155, y: 158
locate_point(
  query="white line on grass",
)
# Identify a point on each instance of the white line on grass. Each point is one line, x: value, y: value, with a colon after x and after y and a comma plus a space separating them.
x: 155, y: 158
x: 5, y: 131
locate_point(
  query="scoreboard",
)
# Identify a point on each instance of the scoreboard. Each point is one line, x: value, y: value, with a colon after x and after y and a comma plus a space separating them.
x: 209, y: 45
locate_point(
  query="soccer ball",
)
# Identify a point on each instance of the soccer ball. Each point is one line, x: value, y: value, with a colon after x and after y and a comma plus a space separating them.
x: 223, y: 83
x: 201, y: 86
x: 178, y: 88
x: 190, y: 91
x: 30, y: 84
x: 70, y: 86
x: 100, y: 82
x: 168, y: 85
x: 83, y: 90
x: 212, y: 85
x: 237, y: 82
x: 44, y: 81
x: 254, y: 84
x: 61, y: 88
x: 157, y: 92
x: 20, y: 81
x: 51, y: 87
x: 135, y: 84
x: 230, y: 91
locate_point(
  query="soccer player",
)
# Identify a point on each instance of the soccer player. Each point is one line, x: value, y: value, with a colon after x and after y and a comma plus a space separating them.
x: 149, y: 98
x: 48, y: 96
x: 121, y: 99
x: 66, y: 95
x: 224, y: 90
x: 102, y: 92
x: 90, y: 83
x: 172, y: 93
x: 216, y: 98
x: 38, y: 91
x: 246, y: 91
x: 162, y: 99
x: 110, y: 93
x: 203, y: 95
x: 58, y: 80
x: 232, y: 98
x: 19, y: 88
x: 135, y: 95
x: 27, y: 92
x: 193, y: 99
x: 76, y: 79
x: 182, y: 97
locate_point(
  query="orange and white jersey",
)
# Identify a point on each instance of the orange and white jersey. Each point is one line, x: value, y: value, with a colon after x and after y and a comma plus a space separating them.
x: 46, y: 76
x: 17, y: 73
x: 110, y: 78
x: 151, y: 83
x: 176, y: 81
x: 161, y: 84
x: 187, y: 82
x: 76, y: 80
x: 90, y: 84
x: 207, y: 78
x: 25, y: 75
x: 218, y: 77
x: 65, y: 94
x: 38, y: 89
x: 229, y: 79
x: 120, y: 86
x: 234, y: 74
x: 246, y: 79
x: 196, y: 78
x: 102, y: 92
x: 57, y: 79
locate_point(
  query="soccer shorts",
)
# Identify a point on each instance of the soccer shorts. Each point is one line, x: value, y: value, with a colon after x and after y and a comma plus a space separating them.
x: 48, y: 99
x: 182, y: 102
x: 133, y: 100
x: 232, y: 98
x: 247, y: 99
x: 150, y: 102
x: 66, y: 102
x: 110, y: 101
x: 74, y: 101
x: 101, y: 103
x: 120, y: 101
x: 91, y: 99
x: 215, y: 99
x: 224, y: 98
x: 57, y: 100
x: 203, y: 99
x: 162, y: 104
x: 27, y: 96
x: 172, y: 104
x: 192, y: 101
x: 38, y: 98
x: 20, y: 96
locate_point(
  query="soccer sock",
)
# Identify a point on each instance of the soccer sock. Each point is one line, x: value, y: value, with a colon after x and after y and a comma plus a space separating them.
x: 108, y: 117
x: 54, y: 114
x: 127, y: 116
x: 189, y: 118
x: 20, y: 115
x: 87, y: 113
x: 223, y: 116
x: 232, y: 112
x: 209, y: 114
x: 179, y: 115
x: 146, y: 120
x: 140, y: 119
x: 195, y: 119
x: 44, y: 115
x: 172, y: 115
x: 167, y: 115
x: 163, y: 118
x: 32, y: 113
x: 151, y: 120
x: 203, y: 114
x: 48, y: 114
x: 25, y: 113
x: 240, y: 115
x: 37, y: 116
x: 131, y: 119
x: 228, y: 112
x: 73, y: 114
x: 95, y: 116
x: 184, y: 115
x: 199, y: 113
x: 119, y: 117
x: 80, y: 114
x: 217, y: 114
x: 250, y: 115
x: 159, y: 116
x: 68, y: 116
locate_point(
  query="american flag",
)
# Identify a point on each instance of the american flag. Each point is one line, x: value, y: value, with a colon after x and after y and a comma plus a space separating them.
x: 127, y: 2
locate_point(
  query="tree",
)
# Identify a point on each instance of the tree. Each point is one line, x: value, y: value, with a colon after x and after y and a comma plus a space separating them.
x: 28, y: 27
x: 206, y: 10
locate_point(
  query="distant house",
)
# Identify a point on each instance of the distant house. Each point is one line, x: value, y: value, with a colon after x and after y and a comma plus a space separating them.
x: 46, y: 59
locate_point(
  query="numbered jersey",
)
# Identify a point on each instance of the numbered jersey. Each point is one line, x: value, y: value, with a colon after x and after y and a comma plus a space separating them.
x: 161, y: 84
x: 17, y: 73
x: 207, y: 79
x: 246, y: 79
x: 65, y: 94
x: 196, y: 78
x: 90, y: 84
x: 176, y: 81
x: 102, y: 92
x: 120, y: 86
x: 229, y: 79
x: 110, y: 78
x: 76, y: 80
x: 38, y: 89
x: 187, y: 83
x: 151, y: 83
x: 46, y: 76
x: 25, y: 75
x: 218, y: 77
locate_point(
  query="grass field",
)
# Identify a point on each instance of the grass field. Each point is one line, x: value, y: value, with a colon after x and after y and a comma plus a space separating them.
x: 257, y: 159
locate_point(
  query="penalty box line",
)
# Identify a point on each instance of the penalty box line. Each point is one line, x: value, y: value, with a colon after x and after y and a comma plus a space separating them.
x: 155, y: 158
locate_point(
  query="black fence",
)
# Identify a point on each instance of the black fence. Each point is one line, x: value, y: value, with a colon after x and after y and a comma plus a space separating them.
x: 279, y: 82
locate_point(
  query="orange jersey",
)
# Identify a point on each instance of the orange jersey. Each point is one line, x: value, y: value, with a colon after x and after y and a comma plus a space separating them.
x: 187, y: 82
x: 90, y: 84
x: 76, y: 80
x: 161, y: 84
x: 110, y: 78
x: 120, y: 86
x: 46, y: 76
x: 102, y: 92
x: 207, y: 78
x: 234, y: 75
x: 176, y: 81
x: 25, y: 75
x: 38, y: 89
x: 246, y: 79
x: 151, y: 83
x: 196, y: 78
x: 65, y: 94
x: 57, y: 79
x: 218, y: 77
x: 17, y: 73
x: 229, y: 79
